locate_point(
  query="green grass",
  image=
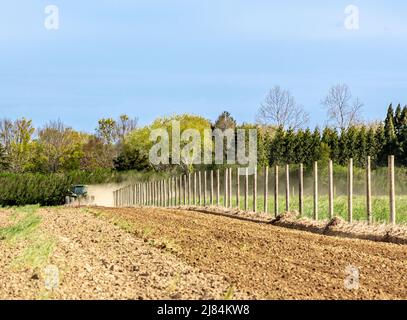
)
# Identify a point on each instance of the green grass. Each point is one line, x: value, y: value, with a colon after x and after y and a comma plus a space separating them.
x: 36, y: 255
x: 380, y: 206
x: 25, y: 223
x: 24, y: 226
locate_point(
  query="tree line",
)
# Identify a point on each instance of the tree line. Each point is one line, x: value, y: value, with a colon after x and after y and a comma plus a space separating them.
x: 56, y: 147
x: 121, y: 145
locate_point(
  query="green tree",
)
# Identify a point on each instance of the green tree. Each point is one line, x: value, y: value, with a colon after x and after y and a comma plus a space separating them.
x: 289, y: 146
x: 315, y: 146
x: 330, y: 138
x: 139, y: 139
x: 59, y: 148
x: 107, y: 130
x: 372, y: 148
x: 225, y: 121
x: 361, y: 147
x: 16, y: 136
x: 4, y: 160
x: 391, y: 143
x: 277, y: 147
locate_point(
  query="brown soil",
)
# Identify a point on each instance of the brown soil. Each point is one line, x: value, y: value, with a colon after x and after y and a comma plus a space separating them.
x: 98, y: 260
x: 152, y: 253
x: 266, y: 261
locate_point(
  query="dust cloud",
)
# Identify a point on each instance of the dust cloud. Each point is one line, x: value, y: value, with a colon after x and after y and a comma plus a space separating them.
x: 101, y: 194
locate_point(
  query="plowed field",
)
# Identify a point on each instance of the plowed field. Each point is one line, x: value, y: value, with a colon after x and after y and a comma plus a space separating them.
x: 152, y: 253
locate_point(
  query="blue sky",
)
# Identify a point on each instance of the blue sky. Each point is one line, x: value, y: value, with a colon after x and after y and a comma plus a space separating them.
x: 148, y: 58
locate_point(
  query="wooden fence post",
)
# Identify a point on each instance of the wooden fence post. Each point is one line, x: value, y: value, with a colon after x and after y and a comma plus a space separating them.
x: 205, y: 198
x: 159, y: 193
x: 287, y: 187
x: 170, y: 191
x: 199, y: 188
x: 133, y: 194
x: 315, y: 190
x: 255, y: 189
x: 226, y: 193
x: 179, y: 189
x: 211, y: 191
x: 230, y: 187
x: 350, y: 190
x: 276, y: 176
x: 195, y: 189
x: 368, y: 191
x: 189, y: 189
x: 266, y: 188
x: 301, y: 189
x: 218, y: 187
x: 174, y: 191
x: 155, y: 193
x: 164, y: 197
x: 392, y: 192
x: 136, y: 194
x: 331, y: 189
x: 151, y: 193
x: 144, y: 196
x: 147, y: 195
x: 246, y: 190
x: 166, y: 192
x: 238, y: 188
x: 122, y: 198
x: 185, y: 190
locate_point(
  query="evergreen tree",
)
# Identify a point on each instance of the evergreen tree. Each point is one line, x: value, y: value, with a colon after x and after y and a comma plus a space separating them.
x: 380, y: 146
x: 306, y: 147
x: 290, y: 146
x: 391, y: 143
x: 299, y: 147
x: 277, y: 147
x: 361, y: 147
x: 351, y: 141
x: 331, y: 139
x: 316, y: 145
x: 402, y: 137
x: 397, y: 121
x: 343, y: 146
x: 371, y: 145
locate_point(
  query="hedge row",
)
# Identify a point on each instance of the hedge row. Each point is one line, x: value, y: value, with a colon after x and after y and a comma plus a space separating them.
x: 45, y: 189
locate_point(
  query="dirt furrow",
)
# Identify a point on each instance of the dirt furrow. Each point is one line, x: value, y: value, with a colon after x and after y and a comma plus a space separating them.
x: 272, y: 262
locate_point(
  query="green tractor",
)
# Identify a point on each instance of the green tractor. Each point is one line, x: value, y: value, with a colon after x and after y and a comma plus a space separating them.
x: 77, y: 193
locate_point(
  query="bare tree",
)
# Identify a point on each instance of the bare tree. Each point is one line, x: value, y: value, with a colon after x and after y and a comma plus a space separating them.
x: 342, y: 110
x: 125, y: 125
x: 280, y: 109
